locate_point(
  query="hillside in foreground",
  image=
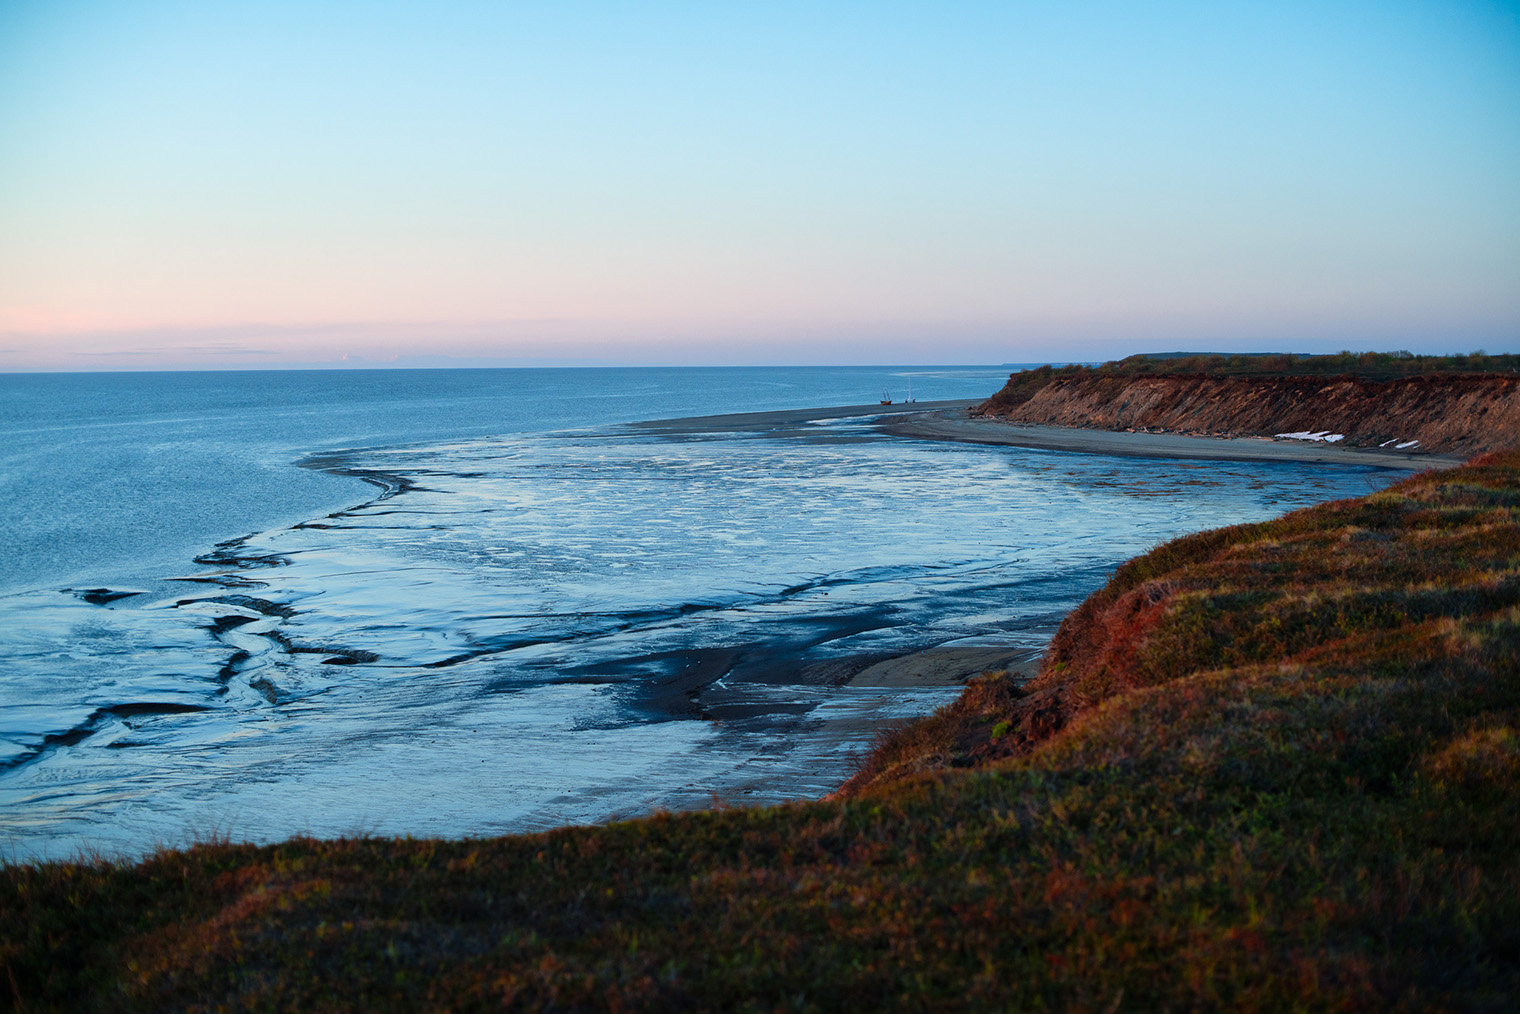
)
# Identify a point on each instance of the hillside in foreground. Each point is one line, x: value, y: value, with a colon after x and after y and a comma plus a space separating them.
x: 1452, y: 405
x: 1267, y: 767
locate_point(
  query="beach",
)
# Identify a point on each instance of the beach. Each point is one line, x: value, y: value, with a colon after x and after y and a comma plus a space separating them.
x: 948, y: 420
x: 950, y: 425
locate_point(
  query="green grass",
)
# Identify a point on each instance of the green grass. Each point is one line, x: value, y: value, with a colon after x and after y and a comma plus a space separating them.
x: 1271, y: 767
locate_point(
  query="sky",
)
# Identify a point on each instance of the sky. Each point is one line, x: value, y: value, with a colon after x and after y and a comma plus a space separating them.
x: 232, y: 185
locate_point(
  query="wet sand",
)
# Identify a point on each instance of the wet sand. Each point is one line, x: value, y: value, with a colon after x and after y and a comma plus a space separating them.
x: 947, y: 420
x: 952, y: 425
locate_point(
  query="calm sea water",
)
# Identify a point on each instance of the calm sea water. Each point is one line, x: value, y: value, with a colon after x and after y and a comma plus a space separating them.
x: 531, y: 614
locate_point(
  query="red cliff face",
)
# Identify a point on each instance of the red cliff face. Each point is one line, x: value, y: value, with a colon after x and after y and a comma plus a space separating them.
x: 1457, y: 415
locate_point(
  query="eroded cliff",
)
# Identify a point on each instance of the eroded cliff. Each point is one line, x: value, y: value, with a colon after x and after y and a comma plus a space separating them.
x: 1450, y: 414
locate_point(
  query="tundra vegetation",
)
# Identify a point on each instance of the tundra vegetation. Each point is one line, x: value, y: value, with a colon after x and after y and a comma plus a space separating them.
x: 1266, y: 767
x: 1375, y: 366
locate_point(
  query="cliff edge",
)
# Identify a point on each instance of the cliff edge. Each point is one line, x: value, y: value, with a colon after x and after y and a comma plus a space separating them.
x: 1454, y: 413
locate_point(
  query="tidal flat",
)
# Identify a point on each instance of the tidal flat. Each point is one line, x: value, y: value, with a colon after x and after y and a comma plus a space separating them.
x: 508, y: 632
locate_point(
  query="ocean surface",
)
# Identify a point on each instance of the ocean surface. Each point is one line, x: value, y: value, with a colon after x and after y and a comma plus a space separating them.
x: 471, y: 602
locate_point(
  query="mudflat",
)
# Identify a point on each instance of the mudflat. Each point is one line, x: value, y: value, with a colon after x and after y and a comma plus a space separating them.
x: 787, y: 420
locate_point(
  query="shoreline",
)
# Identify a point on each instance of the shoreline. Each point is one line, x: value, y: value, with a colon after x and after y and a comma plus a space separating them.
x: 945, y: 426
x: 946, y: 420
x: 869, y: 684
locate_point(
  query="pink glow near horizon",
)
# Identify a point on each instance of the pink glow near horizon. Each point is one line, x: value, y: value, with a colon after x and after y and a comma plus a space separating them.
x: 213, y: 185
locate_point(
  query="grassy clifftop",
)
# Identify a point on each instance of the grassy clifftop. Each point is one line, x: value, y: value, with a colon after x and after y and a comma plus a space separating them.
x: 1267, y: 767
x: 1374, y: 366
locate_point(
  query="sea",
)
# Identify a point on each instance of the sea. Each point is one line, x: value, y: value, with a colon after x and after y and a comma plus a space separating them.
x: 251, y: 605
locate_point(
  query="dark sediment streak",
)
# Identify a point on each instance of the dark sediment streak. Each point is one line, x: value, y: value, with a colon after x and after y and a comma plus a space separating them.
x: 791, y: 422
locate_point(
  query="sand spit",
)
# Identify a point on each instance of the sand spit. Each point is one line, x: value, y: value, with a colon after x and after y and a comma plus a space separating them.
x: 953, y: 425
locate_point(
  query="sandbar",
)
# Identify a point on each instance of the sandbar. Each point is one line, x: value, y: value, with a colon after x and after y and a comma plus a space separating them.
x: 957, y: 426
x: 791, y: 421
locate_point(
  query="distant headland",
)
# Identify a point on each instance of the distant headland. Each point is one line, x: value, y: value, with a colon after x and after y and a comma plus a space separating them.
x: 1444, y: 405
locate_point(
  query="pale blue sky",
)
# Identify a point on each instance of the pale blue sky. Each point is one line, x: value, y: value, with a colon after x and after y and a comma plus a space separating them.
x: 215, y: 184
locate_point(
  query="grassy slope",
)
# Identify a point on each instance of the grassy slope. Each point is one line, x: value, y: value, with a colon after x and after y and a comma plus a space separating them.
x: 1267, y: 767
